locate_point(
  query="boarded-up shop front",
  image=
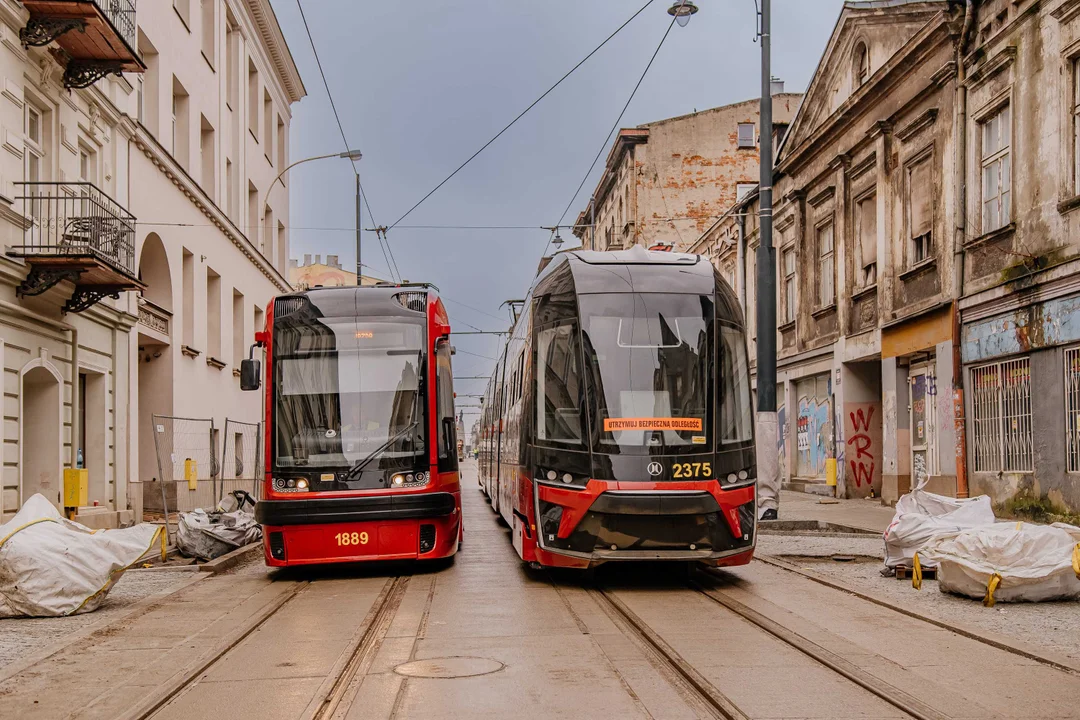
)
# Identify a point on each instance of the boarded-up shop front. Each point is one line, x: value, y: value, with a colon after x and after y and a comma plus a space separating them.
x: 814, y: 427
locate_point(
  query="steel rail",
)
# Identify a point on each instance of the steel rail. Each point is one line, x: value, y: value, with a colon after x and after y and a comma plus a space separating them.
x: 900, y: 699
x: 714, y: 701
x: 359, y: 655
x: 188, y: 675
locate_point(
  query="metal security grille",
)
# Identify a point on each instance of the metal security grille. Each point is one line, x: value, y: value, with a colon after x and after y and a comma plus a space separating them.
x: 1072, y: 408
x: 1001, y: 402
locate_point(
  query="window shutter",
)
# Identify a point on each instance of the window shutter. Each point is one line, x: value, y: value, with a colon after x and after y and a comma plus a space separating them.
x: 868, y: 230
x: 920, y: 186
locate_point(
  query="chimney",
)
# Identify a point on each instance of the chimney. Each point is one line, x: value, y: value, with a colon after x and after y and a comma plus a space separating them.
x: 307, y: 260
x: 332, y: 261
x: 292, y: 263
x: 318, y: 259
x: 777, y: 86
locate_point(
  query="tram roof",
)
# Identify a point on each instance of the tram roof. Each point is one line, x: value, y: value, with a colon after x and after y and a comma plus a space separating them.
x: 375, y: 300
x: 633, y: 270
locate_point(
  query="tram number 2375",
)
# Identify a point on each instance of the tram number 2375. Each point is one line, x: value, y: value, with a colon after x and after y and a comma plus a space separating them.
x: 691, y: 470
x: 352, y: 538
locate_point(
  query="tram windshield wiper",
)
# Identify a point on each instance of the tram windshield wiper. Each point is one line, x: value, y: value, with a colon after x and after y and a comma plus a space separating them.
x: 359, y: 466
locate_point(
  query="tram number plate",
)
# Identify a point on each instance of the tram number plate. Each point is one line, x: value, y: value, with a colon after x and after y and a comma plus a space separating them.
x: 691, y: 470
x: 347, y: 539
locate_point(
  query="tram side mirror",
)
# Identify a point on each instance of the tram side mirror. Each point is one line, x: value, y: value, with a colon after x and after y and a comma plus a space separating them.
x: 250, y: 371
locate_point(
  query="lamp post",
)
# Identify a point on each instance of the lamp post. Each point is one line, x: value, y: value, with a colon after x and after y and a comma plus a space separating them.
x: 768, y: 461
x: 352, y: 156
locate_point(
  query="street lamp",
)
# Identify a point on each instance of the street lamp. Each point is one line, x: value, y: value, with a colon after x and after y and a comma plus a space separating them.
x: 352, y: 156
x: 768, y: 462
x: 681, y: 10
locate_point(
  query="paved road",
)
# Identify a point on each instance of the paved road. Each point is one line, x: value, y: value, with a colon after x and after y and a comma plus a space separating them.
x: 487, y: 638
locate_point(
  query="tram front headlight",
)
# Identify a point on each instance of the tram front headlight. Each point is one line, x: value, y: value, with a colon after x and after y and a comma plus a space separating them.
x: 302, y: 484
x: 398, y: 480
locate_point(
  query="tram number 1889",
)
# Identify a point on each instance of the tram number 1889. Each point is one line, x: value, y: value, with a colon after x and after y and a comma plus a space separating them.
x: 352, y: 538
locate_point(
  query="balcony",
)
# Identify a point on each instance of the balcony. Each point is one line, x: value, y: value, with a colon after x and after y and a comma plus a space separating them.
x: 76, y: 232
x: 96, y: 37
x: 154, y: 321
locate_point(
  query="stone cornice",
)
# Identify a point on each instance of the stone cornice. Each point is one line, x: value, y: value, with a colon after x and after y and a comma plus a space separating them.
x: 999, y: 62
x: 1066, y: 11
x: 149, y: 146
x: 262, y: 14
x: 923, y: 121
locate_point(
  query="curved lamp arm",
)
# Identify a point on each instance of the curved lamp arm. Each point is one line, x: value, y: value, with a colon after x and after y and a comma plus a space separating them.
x: 348, y: 155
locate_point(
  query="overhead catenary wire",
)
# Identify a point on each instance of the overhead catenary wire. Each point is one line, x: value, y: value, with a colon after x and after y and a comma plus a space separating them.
x: 520, y: 115
x: 614, y: 128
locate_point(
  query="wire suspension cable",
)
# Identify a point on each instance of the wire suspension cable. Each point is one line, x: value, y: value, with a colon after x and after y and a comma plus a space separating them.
x: 522, y: 114
x: 613, y: 128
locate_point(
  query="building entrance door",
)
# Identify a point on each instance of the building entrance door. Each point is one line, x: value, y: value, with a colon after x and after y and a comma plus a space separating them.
x: 922, y: 393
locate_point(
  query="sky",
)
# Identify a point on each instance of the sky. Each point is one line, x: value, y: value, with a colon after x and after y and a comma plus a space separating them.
x: 419, y: 86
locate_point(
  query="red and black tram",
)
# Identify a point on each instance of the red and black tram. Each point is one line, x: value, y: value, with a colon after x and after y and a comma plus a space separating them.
x: 361, y: 446
x: 618, y: 422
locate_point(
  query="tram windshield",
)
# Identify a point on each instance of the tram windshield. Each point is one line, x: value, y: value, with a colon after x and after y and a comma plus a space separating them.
x: 345, y: 388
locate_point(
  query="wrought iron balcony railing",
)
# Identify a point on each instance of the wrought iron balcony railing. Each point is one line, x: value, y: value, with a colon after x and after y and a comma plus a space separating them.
x: 76, y: 232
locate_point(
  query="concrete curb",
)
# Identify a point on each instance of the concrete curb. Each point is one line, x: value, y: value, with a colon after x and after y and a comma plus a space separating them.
x: 230, y: 560
x: 11, y: 669
x: 996, y: 640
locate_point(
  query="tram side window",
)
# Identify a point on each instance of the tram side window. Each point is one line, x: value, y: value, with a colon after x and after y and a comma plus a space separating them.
x: 736, y: 421
x: 445, y: 403
x: 558, y: 385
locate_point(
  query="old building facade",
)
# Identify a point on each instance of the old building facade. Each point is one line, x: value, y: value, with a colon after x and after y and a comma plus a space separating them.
x: 666, y: 182
x: 153, y: 185
x: 926, y: 254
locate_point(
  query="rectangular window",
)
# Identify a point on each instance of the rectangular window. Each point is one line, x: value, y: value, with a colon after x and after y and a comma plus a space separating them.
x: 33, y: 144
x: 209, y: 31
x: 230, y: 189
x: 282, y: 249
x: 232, y: 65
x: 1001, y: 401
x: 1076, y: 125
x: 744, y: 189
x: 919, y: 192
x: 213, y: 314
x: 789, y: 285
x: 240, y: 340
x: 268, y: 235
x: 558, y: 386
x: 252, y: 229
x: 280, y: 142
x: 268, y: 135
x: 183, y: 9
x: 997, y: 170
x: 746, y: 135
x: 253, y: 100
x: 207, y: 157
x: 181, y: 128
x: 866, y: 241
x: 140, y: 98
x: 87, y: 164
x: 827, y: 287
x: 1072, y: 409
x: 736, y: 422
x: 189, y: 298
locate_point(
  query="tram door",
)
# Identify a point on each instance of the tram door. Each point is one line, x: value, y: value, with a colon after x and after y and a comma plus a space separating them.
x: 922, y: 393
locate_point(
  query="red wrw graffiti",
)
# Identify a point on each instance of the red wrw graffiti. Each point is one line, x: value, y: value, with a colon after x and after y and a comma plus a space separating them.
x: 862, y: 442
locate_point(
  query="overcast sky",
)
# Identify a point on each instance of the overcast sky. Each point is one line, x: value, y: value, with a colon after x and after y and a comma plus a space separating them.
x: 421, y: 85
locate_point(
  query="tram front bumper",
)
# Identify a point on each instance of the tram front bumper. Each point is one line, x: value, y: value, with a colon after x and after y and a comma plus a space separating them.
x: 316, y: 530
x: 608, y: 521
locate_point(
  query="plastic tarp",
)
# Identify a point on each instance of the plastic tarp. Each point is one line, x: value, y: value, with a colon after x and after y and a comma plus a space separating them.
x: 231, y: 525
x: 51, y: 566
x: 922, y: 515
x: 1011, y: 562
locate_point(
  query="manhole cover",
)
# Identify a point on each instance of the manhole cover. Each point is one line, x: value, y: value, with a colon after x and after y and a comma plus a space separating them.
x: 449, y: 667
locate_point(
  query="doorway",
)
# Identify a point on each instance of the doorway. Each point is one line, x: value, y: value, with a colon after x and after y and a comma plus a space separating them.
x: 39, y: 434
x: 922, y: 395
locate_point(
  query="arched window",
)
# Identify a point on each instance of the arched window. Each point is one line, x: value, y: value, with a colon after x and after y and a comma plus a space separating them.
x: 861, y: 66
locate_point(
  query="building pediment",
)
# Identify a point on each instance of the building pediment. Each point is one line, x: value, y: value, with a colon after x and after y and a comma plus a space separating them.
x: 866, y: 46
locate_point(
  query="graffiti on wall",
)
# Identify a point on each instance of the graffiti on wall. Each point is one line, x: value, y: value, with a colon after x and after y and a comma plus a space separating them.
x: 813, y: 429
x: 862, y: 428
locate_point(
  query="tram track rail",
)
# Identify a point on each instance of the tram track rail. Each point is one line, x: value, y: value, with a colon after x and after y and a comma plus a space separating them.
x: 341, y: 682
x: 706, y: 696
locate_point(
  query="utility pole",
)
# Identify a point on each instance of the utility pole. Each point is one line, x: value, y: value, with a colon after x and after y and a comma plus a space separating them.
x: 359, y: 265
x: 768, y: 461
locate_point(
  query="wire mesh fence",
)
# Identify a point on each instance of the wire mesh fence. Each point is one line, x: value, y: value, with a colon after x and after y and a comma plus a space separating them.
x: 196, y: 467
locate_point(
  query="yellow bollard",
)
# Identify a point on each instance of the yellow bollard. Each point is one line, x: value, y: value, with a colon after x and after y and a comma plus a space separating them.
x: 191, y: 473
x: 830, y: 472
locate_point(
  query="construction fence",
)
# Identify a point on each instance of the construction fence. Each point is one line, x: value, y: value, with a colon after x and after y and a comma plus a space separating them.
x: 199, y: 463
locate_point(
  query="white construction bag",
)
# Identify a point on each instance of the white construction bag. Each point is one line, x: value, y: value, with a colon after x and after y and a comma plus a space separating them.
x: 231, y: 525
x: 921, y: 515
x: 1011, y: 562
x: 51, y: 566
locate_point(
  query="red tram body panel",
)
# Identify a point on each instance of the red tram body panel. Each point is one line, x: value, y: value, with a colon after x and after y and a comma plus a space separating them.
x: 360, y: 444
x: 617, y: 425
